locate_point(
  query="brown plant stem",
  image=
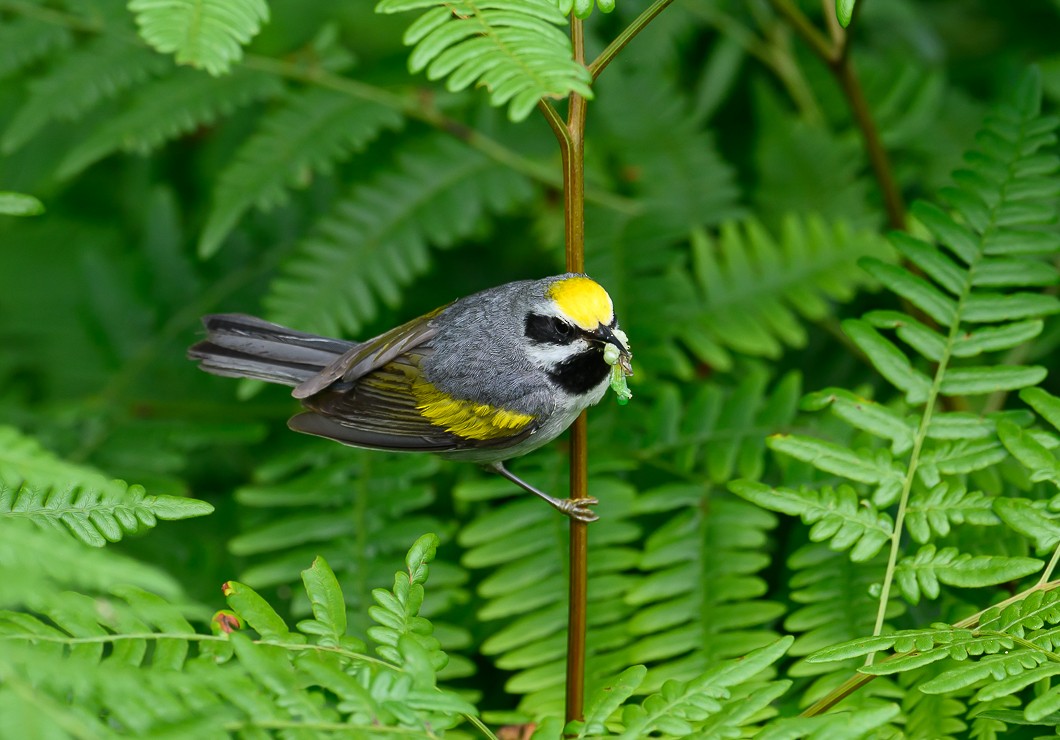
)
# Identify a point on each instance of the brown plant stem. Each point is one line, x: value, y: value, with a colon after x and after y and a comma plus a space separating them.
x: 835, y: 53
x: 574, y: 220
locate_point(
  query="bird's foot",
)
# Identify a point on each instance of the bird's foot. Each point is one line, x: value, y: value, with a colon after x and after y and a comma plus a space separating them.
x: 578, y: 508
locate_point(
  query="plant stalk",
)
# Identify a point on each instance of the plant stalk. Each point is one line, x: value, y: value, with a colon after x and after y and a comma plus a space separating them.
x: 835, y: 53
x: 573, y: 145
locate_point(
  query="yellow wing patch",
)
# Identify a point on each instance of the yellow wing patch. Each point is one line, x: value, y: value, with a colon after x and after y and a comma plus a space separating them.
x: 466, y: 419
x: 584, y: 301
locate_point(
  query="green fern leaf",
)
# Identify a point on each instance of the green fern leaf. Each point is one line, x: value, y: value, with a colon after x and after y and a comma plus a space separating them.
x: 720, y: 429
x: 1035, y: 449
x: 865, y: 414
x: 995, y: 667
x: 756, y: 288
x: 681, y: 625
x: 511, y: 47
x: 315, y: 129
x: 837, y: 515
x: 36, y: 485
x: 37, y: 563
x: 26, y: 40
x: 584, y: 8
x: 681, y: 707
x: 376, y: 241
x: 168, y: 108
x: 397, y: 611
x: 525, y: 589
x: 1038, y: 609
x: 202, y: 33
x: 95, y: 517
x: 608, y: 699
x: 922, y: 573
x: 836, y: 605
x: 1031, y: 519
x: 18, y: 204
x: 329, y: 608
x: 100, y: 69
x: 860, y: 723
x: 874, y: 467
x: 945, y: 504
x: 323, y: 498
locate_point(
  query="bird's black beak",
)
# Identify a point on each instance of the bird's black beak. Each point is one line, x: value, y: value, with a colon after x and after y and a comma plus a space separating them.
x: 605, y: 334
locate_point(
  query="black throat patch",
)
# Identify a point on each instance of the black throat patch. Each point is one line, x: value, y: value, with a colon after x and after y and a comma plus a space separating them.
x: 582, y: 372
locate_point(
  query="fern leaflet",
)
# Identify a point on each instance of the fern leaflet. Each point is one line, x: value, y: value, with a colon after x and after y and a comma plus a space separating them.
x: 313, y: 130
x: 167, y: 108
x: 202, y: 33
x: 37, y: 486
x: 376, y: 241
x: 511, y: 47
x: 27, y: 40
x: 100, y: 69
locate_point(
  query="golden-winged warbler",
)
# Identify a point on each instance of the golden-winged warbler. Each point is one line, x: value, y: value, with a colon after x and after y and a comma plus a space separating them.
x: 486, y: 378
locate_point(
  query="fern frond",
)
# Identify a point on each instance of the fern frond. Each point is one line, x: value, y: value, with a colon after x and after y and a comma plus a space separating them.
x: 36, y: 485
x: 202, y: 33
x: 933, y: 512
x: 849, y: 725
x: 95, y: 517
x: 376, y: 241
x: 100, y: 69
x: 513, y: 48
x: 836, y: 605
x: 718, y: 430
x: 134, y: 661
x: 525, y: 591
x: 167, y: 108
x: 38, y: 563
x: 26, y: 40
x: 397, y: 611
x: 329, y: 499
x: 758, y: 289
x: 1036, y: 449
x: 922, y: 573
x: 700, y: 601
x: 933, y: 716
x: 837, y: 515
x: 312, y: 131
x: 710, y: 703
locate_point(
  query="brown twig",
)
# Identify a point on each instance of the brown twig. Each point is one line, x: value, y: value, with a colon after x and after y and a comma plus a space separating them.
x: 834, y: 51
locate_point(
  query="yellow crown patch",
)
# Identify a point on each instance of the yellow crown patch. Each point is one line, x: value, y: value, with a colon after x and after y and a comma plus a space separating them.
x: 584, y: 301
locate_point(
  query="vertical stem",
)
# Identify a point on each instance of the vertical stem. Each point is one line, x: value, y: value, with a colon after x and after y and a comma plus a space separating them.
x: 878, y: 158
x: 574, y: 210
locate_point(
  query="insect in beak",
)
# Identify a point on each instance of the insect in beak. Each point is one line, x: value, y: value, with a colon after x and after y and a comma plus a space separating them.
x: 617, y: 338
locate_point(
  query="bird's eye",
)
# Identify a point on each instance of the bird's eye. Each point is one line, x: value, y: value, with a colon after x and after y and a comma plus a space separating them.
x: 561, y: 327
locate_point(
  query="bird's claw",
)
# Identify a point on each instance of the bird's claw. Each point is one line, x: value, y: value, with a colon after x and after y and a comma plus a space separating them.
x: 578, y: 508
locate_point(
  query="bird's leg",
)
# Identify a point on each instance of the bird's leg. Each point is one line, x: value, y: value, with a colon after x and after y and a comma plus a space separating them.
x: 575, y: 508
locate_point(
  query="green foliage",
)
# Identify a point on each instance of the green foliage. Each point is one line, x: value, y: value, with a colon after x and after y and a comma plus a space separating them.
x: 514, y: 49
x: 308, y: 134
x: 202, y: 33
x: 19, y: 204
x: 133, y: 657
x: 754, y: 551
x: 38, y: 487
x: 375, y: 242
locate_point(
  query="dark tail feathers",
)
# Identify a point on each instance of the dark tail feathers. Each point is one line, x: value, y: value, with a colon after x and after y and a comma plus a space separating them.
x: 241, y: 346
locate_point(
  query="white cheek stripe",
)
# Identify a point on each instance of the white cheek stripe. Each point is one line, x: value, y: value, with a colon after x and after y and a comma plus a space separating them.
x: 547, y: 356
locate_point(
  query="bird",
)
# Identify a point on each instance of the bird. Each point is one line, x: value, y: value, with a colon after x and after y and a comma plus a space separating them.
x: 486, y: 378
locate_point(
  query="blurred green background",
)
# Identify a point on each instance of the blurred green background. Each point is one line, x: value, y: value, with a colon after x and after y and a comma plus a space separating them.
x: 717, y: 145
